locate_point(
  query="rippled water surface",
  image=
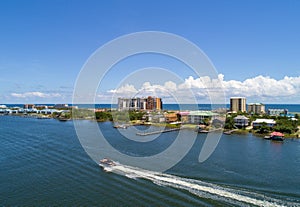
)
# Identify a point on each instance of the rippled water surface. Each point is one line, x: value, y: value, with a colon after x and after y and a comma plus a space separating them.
x: 43, y: 163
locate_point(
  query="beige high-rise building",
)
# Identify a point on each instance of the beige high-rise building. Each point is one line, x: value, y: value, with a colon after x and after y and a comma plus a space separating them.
x: 238, y: 104
x: 256, y: 108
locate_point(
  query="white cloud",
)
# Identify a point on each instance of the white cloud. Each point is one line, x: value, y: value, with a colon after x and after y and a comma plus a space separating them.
x: 126, y: 89
x: 258, y: 89
x: 262, y: 86
x: 35, y: 94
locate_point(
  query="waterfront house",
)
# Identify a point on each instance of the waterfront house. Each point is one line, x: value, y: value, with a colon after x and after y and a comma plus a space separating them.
x: 183, y: 116
x: 48, y: 111
x: 260, y: 122
x: 197, y: 117
x: 8, y: 111
x: 170, y: 117
x: 157, y: 118
x: 241, y: 121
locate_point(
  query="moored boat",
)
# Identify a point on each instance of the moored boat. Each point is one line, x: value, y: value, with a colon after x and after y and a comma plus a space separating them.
x: 122, y: 126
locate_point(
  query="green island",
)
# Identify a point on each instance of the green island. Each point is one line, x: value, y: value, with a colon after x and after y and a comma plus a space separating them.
x: 203, y: 121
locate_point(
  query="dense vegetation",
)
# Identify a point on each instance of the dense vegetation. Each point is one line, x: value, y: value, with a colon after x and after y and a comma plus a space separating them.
x: 119, y: 116
x: 283, y: 124
x: 103, y: 116
x: 286, y: 125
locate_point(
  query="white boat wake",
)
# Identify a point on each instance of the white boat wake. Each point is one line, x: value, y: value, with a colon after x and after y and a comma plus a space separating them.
x: 199, y: 188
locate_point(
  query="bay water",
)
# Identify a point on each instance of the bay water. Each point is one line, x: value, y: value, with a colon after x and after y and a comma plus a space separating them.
x: 42, y: 163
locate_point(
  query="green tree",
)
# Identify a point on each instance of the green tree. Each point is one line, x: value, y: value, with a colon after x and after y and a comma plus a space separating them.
x: 229, y: 122
x: 103, y: 116
x: 263, y: 129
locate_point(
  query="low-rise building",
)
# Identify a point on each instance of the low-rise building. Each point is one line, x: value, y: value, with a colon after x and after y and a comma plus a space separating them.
x: 3, y: 109
x: 29, y: 106
x: 277, y: 112
x: 183, y: 116
x: 241, y: 121
x: 61, y: 106
x: 260, y: 122
x: 170, y: 117
x: 48, y: 111
x: 156, y: 118
x: 197, y: 117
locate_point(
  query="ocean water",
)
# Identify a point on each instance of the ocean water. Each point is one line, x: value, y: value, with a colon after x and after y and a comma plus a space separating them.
x: 43, y: 164
x: 290, y: 107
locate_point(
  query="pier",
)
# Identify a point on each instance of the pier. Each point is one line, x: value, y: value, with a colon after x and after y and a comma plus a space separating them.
x: 230, y: 132
x: 157, y: 132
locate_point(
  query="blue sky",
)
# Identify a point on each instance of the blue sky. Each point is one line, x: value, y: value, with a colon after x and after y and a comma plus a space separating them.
x: 254, y: 45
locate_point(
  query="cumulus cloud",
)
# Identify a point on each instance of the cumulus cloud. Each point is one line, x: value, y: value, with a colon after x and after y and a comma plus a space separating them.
x: 126, y: 89
x: 35, y: 94
x: 258, y: 89
x: 262, y: 86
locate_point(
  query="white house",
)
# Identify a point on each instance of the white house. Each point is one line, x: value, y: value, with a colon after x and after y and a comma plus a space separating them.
x: 241, y: 121
x: 196, y: 117
x: 259, y: 122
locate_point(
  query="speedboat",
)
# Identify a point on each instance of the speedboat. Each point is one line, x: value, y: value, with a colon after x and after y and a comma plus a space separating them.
x: 106, y: 162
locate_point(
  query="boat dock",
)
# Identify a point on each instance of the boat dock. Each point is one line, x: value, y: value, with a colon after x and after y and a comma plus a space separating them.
x: 157, y: 132
x: 230, y: 132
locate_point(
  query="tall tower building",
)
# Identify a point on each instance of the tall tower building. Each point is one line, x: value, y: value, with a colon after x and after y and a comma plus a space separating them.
x: 158, y: 104
x: 238, y: 104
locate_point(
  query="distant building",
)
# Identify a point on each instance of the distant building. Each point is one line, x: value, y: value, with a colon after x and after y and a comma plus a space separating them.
x: 153, y: 103
x: 28, y: 106
x: 132, y: 103
x: 149, y: 103
x: 241, y: 121
x: 48, y: 111
x: 40, y: 107
x: 238, y: 104
x: 61, y: 106
x: 256, y: 108
x: 3, y: 107
x: 259, y: 122
x: 157, y: 118
x: 277, y: 112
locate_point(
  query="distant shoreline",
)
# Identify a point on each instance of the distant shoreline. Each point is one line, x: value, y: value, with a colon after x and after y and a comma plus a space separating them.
x: 293, y: 108
x: 183, y: 126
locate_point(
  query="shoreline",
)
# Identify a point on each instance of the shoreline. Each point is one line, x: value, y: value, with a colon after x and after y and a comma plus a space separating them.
x: 168, y: 125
